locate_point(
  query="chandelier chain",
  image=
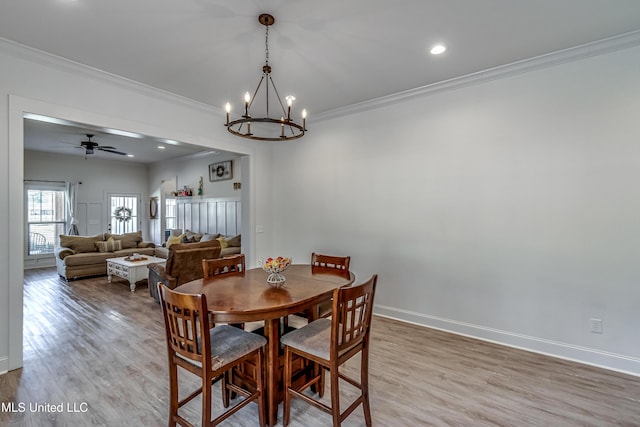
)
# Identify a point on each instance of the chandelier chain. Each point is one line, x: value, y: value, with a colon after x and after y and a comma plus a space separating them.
x: 266, y: 45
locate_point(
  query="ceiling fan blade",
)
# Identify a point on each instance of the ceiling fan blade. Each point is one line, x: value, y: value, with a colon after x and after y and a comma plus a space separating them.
x: 75, y: 144
x: 106, y: 147
x: 111, y: 151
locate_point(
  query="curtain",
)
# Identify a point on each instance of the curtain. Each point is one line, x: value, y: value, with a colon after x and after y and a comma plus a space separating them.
x: 72, y: 203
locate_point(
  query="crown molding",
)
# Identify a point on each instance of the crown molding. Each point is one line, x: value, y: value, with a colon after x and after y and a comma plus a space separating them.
x: 50, y: 60
x: 600, y: 47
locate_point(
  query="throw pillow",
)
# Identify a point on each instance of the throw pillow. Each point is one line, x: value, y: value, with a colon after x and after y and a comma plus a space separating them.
x: 235, y: 241
x: 129, y: 240
x: 192, y: 237
x: 110, y: 245
x: 206, y: 237
x: 223, y: 242
x: 174, y: 239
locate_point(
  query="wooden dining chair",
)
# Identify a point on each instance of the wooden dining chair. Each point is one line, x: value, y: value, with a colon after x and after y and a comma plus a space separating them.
x: 223, y: 267
x: 340, y: 263
x: 233, y: 264
x: 207, y: 353
x: 330, y: 261
x: 330, y: 343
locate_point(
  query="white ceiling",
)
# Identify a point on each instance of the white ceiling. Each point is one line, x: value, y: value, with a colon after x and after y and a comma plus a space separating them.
x: 329, y: 54
x: 64, y: 138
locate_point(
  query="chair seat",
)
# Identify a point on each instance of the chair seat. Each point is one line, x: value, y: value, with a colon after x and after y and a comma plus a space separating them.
x: 313, y: 338
x: 228, y: 344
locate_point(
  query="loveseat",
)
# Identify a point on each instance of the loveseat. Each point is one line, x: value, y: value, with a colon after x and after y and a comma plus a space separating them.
x: 81, y: 256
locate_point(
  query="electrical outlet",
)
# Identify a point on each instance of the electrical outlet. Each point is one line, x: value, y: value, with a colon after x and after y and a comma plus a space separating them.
x: 595, y: 325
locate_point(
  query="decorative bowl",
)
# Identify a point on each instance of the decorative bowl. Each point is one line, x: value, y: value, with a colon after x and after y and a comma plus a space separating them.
x: 275, y: 267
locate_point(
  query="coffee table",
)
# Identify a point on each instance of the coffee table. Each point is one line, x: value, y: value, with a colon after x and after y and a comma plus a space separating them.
x: 132, y: 270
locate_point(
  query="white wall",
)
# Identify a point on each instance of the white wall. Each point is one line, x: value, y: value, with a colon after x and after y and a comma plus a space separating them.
x: 38, y: 83
x: 506, y: 209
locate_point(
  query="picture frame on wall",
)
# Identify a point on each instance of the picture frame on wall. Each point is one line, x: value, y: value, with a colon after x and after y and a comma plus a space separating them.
x: 221, y: 171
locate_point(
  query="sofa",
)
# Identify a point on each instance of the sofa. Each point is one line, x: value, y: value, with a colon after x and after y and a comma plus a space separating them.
x: 82, y: 256
x: 228, y: 245
x: 184, y: 263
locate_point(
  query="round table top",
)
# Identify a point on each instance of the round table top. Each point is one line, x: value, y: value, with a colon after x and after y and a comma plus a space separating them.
x: 248, y: 297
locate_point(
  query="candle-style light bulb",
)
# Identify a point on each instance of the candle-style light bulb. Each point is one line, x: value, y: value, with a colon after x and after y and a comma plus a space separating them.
x: 281, y: 127
x: 247, y: 98
x: 304, y: 119
x: 227, y: 107
x: 290, y: 100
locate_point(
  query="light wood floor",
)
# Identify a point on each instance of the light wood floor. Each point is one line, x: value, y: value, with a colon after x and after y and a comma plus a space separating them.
x: 88, y: 342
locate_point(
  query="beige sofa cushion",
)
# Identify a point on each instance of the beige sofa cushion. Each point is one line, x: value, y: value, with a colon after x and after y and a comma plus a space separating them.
x: 88, y: 258
x: 131, y: 251
x: 81, y: 244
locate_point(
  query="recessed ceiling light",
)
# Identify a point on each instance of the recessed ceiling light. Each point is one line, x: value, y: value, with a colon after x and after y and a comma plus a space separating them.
x: 123, y: 133
x: 438, y: 49
x: 130, y: 155
x: 161, y: 147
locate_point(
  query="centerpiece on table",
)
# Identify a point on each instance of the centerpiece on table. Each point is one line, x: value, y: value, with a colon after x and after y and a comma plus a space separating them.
x: 275, y: 267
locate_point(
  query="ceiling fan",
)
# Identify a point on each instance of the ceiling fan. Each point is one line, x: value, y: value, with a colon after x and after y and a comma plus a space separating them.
x: 89, y: 146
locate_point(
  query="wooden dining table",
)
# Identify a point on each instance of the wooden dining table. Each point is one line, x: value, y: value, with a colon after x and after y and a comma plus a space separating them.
x: 248, y: 297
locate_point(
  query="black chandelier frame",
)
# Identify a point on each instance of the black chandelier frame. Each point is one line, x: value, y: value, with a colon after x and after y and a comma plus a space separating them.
x: 289, y: 129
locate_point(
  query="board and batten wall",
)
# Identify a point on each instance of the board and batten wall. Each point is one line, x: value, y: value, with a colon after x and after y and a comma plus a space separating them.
x: 217, y: 211
x: 209, y: 215
x: 505, y: 208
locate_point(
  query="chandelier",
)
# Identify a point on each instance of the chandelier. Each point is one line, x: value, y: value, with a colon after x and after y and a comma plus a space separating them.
x: 266, y: 128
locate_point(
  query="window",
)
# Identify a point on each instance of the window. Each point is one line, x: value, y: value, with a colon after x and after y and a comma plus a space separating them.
x: 170, y: 214
x: 46, y: 218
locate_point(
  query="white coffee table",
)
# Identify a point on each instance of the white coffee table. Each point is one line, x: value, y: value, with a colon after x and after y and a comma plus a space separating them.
x: 133, y: 271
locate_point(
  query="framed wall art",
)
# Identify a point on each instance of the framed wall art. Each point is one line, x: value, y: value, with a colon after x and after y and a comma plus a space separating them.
x: 221, y: 171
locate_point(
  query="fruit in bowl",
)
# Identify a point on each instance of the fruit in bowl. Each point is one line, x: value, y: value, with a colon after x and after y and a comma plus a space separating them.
x: 276, y: 265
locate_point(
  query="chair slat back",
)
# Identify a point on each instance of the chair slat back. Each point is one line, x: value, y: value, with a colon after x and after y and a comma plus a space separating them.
x: 37, y: 243
x: 330, y: 261
x: 224, y: 266
x: 187, y: 330
x: 351, y: 315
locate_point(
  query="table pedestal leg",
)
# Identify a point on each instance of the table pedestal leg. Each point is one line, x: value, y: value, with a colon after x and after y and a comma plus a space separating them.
x: 271, y: 332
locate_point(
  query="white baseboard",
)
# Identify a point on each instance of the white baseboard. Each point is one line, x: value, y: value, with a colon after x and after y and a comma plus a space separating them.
x: 602, y: 359
x: 39, y: 262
